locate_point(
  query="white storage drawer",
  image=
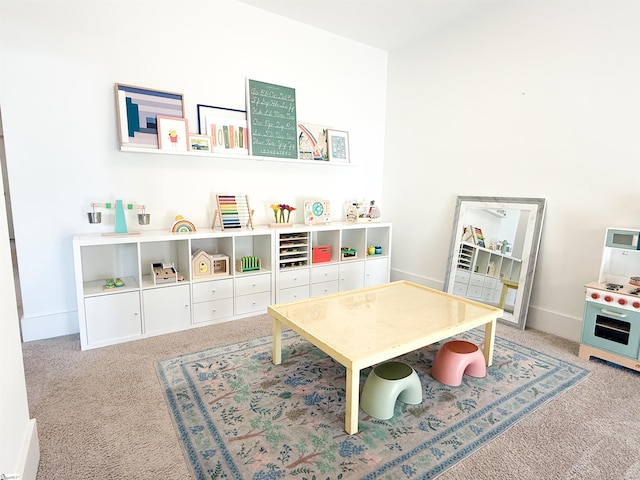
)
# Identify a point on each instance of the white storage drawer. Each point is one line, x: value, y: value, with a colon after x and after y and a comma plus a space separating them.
x: 212, y: 290
x: 213, y: 310
x: 460, y: 289
x: 492, y: 282
x: 488, y: 294
x: 253, y: 303
x: 474, y: 291
x: 462, y: 276
x: 477, y: 280
x: 293, y: 294
x: 324, y: 274
x: 324, y: 288
x: 253, y: 284
x: 294, y: 278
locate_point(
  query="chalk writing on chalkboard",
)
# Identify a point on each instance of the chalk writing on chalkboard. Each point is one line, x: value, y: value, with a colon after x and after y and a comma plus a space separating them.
x: 271, y: 111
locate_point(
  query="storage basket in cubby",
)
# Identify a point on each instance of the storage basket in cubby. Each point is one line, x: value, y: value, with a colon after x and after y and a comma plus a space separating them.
x: 321, y: 254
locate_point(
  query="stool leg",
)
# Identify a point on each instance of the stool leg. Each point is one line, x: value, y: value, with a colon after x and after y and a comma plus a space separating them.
x: 448, y: 371
x: 412, y: 393
x: 378, y: 397
x: 477, y: 366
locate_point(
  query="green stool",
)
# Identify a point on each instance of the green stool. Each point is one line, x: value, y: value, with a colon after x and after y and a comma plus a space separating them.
x: 387, y: 383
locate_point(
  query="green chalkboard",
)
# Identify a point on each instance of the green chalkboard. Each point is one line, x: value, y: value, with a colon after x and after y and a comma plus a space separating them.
x: 271, y: 112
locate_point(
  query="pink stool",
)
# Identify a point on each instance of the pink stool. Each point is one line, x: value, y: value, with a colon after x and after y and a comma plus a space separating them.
x: 456, y: 358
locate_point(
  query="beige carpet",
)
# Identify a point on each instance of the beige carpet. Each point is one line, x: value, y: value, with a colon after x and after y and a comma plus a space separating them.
x: 101, y: 413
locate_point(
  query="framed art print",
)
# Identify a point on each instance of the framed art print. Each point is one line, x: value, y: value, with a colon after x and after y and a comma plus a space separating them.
x: 338, y: 144
x: 199, y: 143
x: 227, y: 128
x: 312, y: 142
x: 138, y: 109
x: 173, y: 134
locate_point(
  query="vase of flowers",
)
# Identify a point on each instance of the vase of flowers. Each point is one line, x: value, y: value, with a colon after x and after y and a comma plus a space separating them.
x: 279, y: 215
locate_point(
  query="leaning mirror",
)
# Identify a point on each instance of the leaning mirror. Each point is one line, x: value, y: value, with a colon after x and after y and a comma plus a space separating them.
x: 493, y: 252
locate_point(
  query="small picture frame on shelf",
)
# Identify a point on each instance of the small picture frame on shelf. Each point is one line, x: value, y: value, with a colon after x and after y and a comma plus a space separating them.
x: 173, y: 134
x: 338, y: 145
x: 199, y: 143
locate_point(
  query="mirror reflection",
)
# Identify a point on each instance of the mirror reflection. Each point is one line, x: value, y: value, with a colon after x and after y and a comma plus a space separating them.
x: 493, y: 252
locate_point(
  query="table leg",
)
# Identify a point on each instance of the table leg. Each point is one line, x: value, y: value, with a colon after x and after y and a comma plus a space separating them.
x: 277, y: 342
x: 489, y: 339
x: 352, y: 402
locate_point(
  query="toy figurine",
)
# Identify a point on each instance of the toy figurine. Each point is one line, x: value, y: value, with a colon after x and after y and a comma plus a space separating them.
x: 374, y: 211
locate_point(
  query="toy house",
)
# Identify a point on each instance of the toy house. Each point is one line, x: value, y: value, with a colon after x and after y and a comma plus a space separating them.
x: 205, y: 265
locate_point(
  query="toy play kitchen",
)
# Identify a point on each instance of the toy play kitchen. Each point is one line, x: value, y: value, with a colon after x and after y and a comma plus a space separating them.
x: 611, y: 322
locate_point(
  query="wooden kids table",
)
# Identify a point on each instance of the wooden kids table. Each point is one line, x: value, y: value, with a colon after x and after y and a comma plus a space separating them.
x: 364, y: 327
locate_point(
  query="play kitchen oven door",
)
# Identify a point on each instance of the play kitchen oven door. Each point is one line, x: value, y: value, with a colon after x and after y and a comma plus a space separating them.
x: 610, y: 328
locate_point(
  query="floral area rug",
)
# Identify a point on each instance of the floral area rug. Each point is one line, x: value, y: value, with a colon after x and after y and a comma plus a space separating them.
x: 238, y: 416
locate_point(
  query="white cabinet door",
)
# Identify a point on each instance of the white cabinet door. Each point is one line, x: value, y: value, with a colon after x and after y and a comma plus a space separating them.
x: 376, y: 271
x: 112, y: 318
x: 166, y: 309
x: 351, y: 275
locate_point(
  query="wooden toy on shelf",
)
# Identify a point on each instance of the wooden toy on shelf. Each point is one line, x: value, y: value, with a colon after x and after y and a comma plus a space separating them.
x: 205, y: 265
x: 182, y: 225
x: 248, y: 264
x: 164, y: 273
x: 233, y: 211
x: 120, y: 221
x: 317, y: 212
x: 348, y: 253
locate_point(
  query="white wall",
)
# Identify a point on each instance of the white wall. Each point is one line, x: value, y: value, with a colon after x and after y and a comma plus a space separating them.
x: 527, y: 99
x: 522, y: 99
x: 60, y: 61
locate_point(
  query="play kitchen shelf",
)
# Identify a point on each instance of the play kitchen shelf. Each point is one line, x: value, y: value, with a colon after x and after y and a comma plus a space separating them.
x: 219, y: 275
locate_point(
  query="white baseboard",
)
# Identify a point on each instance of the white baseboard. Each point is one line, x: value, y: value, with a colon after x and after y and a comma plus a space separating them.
x: 537, y: 318
x: 419, y: 279
x: 555, y: 323
x: 30, y: 453
x: 49, y: 326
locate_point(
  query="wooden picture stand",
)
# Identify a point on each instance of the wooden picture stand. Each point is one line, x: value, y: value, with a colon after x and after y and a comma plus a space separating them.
x: 233, y: 211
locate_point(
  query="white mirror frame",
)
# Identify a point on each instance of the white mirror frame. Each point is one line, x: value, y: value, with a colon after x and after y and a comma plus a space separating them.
x: 531, y: 243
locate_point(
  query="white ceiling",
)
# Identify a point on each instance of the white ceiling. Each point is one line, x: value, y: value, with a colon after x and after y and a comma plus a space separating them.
x: 385, y: 24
